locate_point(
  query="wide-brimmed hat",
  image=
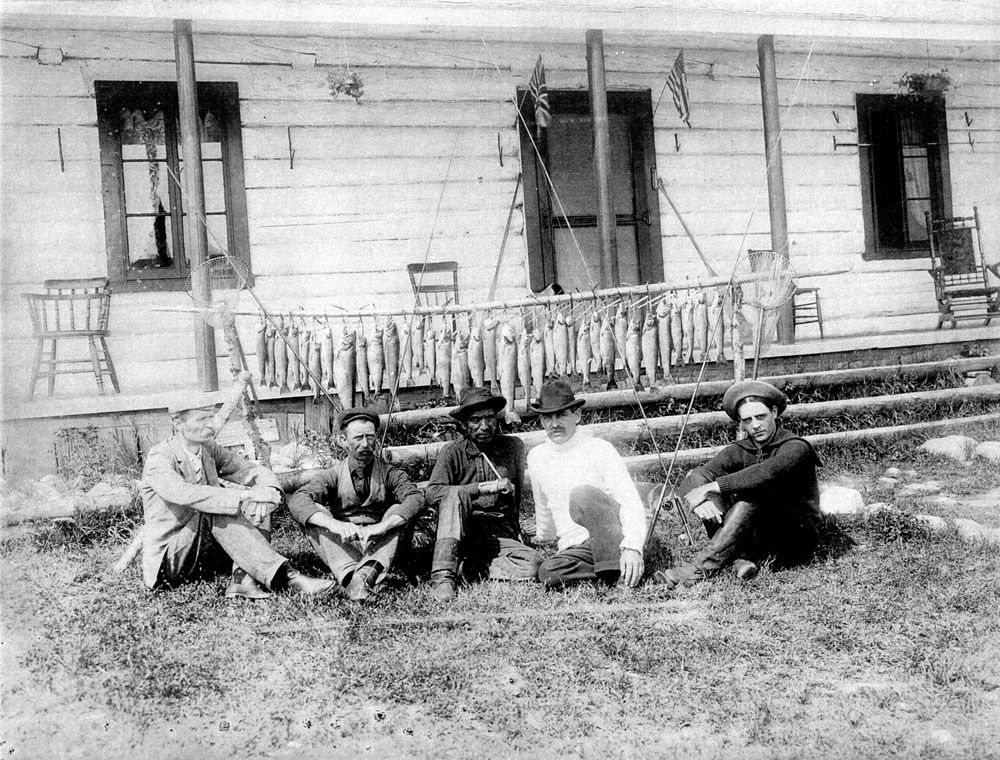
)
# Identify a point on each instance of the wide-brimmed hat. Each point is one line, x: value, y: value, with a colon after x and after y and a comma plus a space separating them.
x: 202, y: 402
x: 771, y: 395
x: 475, y: 400
x: 556, y: 396
x: 358, y: 413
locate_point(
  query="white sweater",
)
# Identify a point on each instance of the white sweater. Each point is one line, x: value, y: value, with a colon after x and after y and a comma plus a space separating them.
x: 556, y: 469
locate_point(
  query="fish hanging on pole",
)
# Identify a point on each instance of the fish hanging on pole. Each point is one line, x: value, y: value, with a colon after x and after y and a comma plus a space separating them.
x: 650, y: 345
x: 272, y: 372
x: 537, y: 364
x: 345, y: 369
x: 361, y: 362
x: 326, y: 351
x: 608, y: 352
x: 717, y: 327
x: 406, y: 352
x: 548, y: 336
x: 477, y: 354
x: 376, y: 359
x: 390, y: 351
x: 633, y: 350
x: 701, y: 327
x: 571, y: 330
x: 262, y: 352
x: 460, y: 364
x: 687, y: 321
x: 417, y: 331
x: 524, y: 359
x: 583, y: 351
x: 507, y: 369
x: 316, y: 364
x: 490, y: 339
x: 663, y: 337
x: 305, y: 342
x: 281, y: 358
x: 292, y: 360
x: 430, y: 352
x: 560, y: 343
x: 444, y: 346
x: 595, y: 340
x: 676, y: 332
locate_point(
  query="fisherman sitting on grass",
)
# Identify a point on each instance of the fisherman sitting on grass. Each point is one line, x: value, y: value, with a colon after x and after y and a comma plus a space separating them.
x: 758, y: 497
x: 354, y: 512
x: 477, y: 484
x: 193, y: 524
x: 584, y: 498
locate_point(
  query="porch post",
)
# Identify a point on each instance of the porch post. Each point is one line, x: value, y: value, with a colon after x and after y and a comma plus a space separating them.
x: 775, y: 172
x: 196, y: 235
x: 602, y: 158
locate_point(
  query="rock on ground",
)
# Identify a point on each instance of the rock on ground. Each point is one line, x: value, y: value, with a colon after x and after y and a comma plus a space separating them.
x: 927, y: 488
x: 988, y: 450
x: 934, y: 523
x: 840, y: 500
x: 957, y: 447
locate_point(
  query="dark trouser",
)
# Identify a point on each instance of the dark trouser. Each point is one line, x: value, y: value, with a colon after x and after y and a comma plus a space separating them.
x: 214, y: 542
x: 599, y: 557
x: 479, y: 543
x: 758, y: 533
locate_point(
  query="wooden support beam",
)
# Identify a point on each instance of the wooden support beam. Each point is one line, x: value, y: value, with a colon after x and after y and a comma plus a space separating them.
x: 775, y: 171
x: 606, y: 232
x: 196, y: 234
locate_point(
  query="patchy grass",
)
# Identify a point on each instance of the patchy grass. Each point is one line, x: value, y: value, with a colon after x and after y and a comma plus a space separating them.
x: 887, y: 649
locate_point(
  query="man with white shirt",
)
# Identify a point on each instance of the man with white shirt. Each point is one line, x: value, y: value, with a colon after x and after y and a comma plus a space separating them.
x: 584, y: 499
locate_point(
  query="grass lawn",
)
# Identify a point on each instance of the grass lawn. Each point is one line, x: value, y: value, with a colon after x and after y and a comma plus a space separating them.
x: 887, y: 649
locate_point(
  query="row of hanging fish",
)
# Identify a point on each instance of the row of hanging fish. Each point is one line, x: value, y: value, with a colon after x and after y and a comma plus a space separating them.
x: 513, y: 349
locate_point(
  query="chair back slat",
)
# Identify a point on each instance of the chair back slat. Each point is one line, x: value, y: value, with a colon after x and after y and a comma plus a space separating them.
x: 956, y: 253
x: 71, y: 307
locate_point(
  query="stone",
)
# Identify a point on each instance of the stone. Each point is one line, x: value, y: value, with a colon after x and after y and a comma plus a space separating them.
x: 879, y: 506
x: 944, y: 501
x: 927, y: 488
x: 911, y: 473
x: 982, y: 377
x: 970, y: 530
x: 105, y: 496
x: 894, y: 472
x: 988, y: 450
x: 934, y: 523
x: 991, y: 536
x: 888, y: 482
x: 957, y: 447
x: 840, y: 500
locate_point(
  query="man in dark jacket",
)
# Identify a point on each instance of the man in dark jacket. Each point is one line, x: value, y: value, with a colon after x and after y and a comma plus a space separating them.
x: 758, y: 496
x: 354, y: 512
x: 477, y: 485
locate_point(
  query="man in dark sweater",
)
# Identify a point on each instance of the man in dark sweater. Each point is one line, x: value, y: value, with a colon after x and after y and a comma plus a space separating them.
x: 477, y: 485
x: 758, y: 497
x: 354, y: 512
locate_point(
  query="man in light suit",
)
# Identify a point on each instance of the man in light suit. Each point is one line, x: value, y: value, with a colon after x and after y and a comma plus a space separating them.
x: 192, y: 522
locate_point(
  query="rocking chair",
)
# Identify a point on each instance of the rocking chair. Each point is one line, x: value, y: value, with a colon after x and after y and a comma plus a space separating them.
x: 961, y: 280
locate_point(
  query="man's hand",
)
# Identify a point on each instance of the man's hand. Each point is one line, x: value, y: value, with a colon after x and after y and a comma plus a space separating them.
x: 698, y: 495
x: 708, y: 512
x: 632, y: 567
x: 264, y: 494
x: 259, y: 502
x: 368, y: 533
x: 503, y: 485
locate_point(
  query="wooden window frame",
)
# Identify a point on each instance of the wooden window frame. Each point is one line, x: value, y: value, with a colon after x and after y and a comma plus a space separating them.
x: 538, y: 216
x: 939, y: 170
x: 222, y: 98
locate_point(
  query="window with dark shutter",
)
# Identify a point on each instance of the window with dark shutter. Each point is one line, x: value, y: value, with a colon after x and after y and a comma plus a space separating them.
x: 904, y: 171
x: 141, y: 163
x: 561, y: 227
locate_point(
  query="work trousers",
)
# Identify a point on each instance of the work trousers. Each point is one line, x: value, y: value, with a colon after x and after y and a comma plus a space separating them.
x: 484, y: 550
x: 344, y: 557
x: 210, y: 542
x: 752, y: 531
x: 599, y: 557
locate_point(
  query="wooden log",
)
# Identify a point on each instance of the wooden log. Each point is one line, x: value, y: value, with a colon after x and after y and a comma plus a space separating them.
x: 684, y: 391
x: 629, y: 431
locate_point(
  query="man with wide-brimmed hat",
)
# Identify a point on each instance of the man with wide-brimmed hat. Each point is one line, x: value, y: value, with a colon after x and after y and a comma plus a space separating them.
x: 476, y: 484
x: 584, y: 499
x: 354, y: 512
x: 758, y: 497
x: 189, y: 517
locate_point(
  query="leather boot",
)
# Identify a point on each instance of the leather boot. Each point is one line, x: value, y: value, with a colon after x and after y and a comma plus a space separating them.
x: 444, y: 569
x: 243, y: 586
x: 362, y: 584
x: 727, y: 543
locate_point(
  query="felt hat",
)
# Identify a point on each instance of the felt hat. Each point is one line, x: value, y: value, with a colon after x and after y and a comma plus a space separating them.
x: 475, y: 400
x: 358, y: 413
x: 556, y: 396
x: 771, y: 395
x: 207, y: 402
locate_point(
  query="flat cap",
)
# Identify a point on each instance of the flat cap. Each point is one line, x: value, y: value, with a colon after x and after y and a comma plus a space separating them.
x: 771, y: 395
x: 358, y: 413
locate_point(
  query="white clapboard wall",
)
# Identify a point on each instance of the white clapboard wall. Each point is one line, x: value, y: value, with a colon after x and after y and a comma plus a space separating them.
x: 416, y: 166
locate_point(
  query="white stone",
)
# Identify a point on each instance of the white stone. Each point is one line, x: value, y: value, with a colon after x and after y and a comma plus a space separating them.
x: 894, y: 472
x: 991, y: 536
x: 926, y: 488
x: 944, y: 501
x: 934, y: 523
x: 970, y: 530
x: 840, y: 500
x: 888, y: 482
x: 879, y: 506
x: 105, y: 496
x: 957, y: 447
x: 911, y: 473
x: 988, y: 450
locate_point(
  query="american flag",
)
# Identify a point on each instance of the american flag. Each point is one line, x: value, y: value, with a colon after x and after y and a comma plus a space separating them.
x: 540, y: 94
x: 677, y: 82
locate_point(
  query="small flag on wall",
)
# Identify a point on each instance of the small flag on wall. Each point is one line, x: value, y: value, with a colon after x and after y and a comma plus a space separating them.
x: 677, y: 82
x: 540, y: 94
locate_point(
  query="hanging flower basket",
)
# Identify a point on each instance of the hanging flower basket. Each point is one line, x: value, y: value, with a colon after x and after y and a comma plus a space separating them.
x: 926, y: 83
x: 347, y: 83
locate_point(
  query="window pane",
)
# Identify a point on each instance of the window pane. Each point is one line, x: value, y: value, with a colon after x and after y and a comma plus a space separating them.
x: 150, y: 242
x: 140, y: 152
x: 211, y: 131
x: 571, y: 164
x: 145, y: 187
x: 217, y: 235
x: 916, y: 178
x: 916, y: 227
x: 215, y: 189
x: 570, y: 271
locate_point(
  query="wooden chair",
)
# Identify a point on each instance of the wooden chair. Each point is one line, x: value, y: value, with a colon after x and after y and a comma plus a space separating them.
x: 961, y: 282
x: 807, y: 308
x: 438, y: 290
x: 71, y: 309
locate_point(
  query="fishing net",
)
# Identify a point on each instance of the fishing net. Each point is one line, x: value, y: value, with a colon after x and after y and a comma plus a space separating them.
x: 215, y: 287
x: 766, y: 282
